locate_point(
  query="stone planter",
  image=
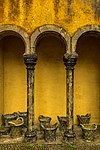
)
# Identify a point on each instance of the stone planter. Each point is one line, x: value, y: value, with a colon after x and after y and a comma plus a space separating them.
x: 24, y: 116
x: 84, y: 119
x: 88, y: 132
x: 8, y: 117
x: 50, y: 132
x: 63, y: 122
x: 44, y: 120
x: 16, y: 127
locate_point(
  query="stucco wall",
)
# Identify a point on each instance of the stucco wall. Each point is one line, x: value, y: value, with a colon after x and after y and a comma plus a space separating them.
x: 30, y: 14
x: 13, y: 76
x: 87, y: 78
x: 50, y: 79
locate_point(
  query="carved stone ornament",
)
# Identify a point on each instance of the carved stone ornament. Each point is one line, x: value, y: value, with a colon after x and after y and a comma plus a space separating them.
x: 84, y: 119
x: 16, y: 127
x: 30, y: 60
x: 50, y: 132
x: 63, y: 123
x: 70, y: 60
x: 88, y: 131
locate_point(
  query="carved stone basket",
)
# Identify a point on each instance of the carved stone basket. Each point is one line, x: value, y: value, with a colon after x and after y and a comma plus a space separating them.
x: 84, y: 119
x: 16, y: 127
x: 24, y: 116
x: 44, y: 120
x: 8, y: 117
x: 63, y: 123
x: 50, y: 132
x: 88, y: 132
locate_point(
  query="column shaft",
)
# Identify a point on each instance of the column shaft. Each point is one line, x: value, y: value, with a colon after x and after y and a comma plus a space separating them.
x: 70, y: 61
x: 70, y: 102
x: 30, y: 99
x: 30, y: 61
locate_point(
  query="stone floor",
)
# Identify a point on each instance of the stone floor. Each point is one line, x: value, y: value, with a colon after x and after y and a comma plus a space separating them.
x: 8, y: 143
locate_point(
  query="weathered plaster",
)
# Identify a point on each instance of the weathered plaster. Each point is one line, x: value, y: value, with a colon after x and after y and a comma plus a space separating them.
x: 70, y: 15
x: 26, y: 18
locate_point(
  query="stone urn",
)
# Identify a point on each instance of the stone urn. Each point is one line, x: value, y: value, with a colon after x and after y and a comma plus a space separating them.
x: 16, y: 127
x: 84, y: 119
x: 8, y: 117
x: 24, y: 116
x: 63, y: 122
x: 44, y: 120
x: 88, y: 132
x: 50, y: 132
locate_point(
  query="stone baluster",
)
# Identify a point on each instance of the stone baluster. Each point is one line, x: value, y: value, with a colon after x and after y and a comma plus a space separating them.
x: 69, y: 62
x: 30, y: 62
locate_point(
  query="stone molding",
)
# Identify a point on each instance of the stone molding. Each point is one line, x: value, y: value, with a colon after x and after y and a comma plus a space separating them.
x: 70, y: 60
x: 30, y: 60
x: 31, y: 41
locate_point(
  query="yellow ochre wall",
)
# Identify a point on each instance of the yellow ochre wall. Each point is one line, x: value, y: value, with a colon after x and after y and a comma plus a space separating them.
x: 12, y: 76
x: 49, y: 78
x: 30, y: 14
x: 87, y: 78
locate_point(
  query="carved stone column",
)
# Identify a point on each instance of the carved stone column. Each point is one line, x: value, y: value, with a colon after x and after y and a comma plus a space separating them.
x: 30, y: 61
x: 69, y: 62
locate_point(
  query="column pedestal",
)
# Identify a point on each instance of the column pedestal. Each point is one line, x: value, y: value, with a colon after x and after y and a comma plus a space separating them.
x: 30, y: 136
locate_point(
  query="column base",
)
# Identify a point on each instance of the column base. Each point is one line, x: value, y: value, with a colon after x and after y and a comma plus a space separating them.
x: 30, y: 136
x: 69, y: 136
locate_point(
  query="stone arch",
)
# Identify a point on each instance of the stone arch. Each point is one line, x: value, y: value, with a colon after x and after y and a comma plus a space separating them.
x: 82, y: 30
x: 86, y: 42
x: 16, y: 31
x: 56, y: 30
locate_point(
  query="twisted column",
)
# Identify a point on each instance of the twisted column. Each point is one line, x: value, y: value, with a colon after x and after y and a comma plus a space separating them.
x: 30, y: 62
x: 69, y: 62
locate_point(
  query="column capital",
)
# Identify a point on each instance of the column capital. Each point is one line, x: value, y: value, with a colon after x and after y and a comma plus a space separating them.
x: 70, y: 60
x: 30, y: 60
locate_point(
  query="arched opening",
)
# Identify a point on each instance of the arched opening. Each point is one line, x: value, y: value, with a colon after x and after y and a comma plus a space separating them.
x: 12, y: 75
x: 87, y: 76
x: 50, y: 77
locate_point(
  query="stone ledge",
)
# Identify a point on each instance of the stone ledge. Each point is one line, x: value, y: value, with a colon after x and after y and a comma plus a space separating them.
x: 40, y: 146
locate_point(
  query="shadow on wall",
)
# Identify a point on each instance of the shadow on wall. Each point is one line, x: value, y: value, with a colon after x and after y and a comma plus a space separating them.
x: 50, y: 79
x: 87, y: 77
x: 13, y: 75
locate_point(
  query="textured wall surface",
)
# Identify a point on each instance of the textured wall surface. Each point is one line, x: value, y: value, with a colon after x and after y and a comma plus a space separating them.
x: 69, y: 14
x: 12, y: 76
x: 50, y: 88
x: 87, y: 78
x: 50, y: 79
